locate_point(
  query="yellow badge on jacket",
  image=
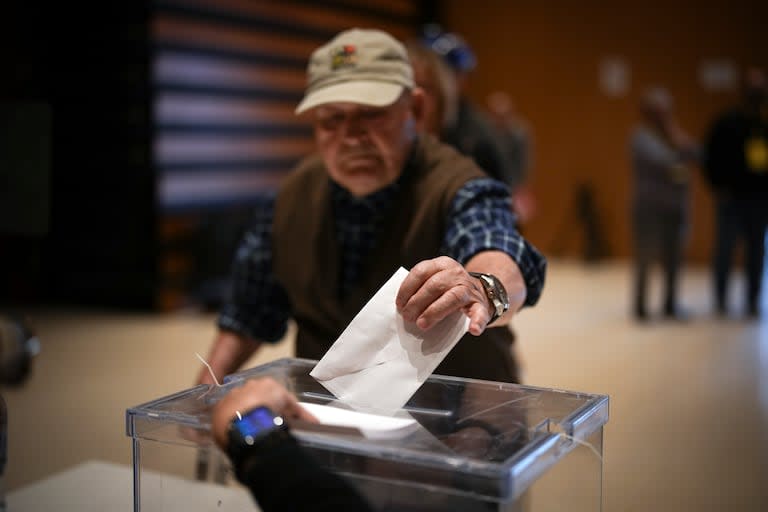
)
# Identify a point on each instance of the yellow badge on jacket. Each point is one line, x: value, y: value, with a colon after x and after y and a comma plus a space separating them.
x: 756, y: 153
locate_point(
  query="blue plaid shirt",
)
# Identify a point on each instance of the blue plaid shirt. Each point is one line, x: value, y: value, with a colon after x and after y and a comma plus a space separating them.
x: 480, y: 219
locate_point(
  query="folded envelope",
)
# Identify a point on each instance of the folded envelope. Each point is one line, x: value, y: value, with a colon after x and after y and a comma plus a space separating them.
x: 380, y: 360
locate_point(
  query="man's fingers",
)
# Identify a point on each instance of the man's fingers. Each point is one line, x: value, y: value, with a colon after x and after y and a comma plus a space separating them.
x: 296, y: 411
x: 293, y: 410
x: 427, y: 282
x: 413, y: 282
x: 429, y: 292
x: 437, y: 288
x: 439, y: 304
x: 478, y: 318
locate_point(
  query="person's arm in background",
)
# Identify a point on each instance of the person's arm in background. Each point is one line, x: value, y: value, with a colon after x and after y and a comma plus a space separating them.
x: 649, y: 150
x: 482, y: 236
x: 280, y: 474
x: 258, y: 308
x: 660, y: 160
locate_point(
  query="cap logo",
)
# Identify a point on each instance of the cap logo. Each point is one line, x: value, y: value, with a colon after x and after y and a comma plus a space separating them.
x: 364, y: 66
x: 344, y: 57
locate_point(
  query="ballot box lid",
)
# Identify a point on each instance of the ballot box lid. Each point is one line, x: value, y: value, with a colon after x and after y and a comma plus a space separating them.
x: 471, y: 436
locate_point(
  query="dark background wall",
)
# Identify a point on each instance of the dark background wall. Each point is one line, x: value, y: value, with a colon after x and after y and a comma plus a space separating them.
x: 75, y: 93
x: 137, y: 137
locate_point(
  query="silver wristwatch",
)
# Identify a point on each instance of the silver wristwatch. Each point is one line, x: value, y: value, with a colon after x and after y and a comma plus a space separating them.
x: 497, y: 294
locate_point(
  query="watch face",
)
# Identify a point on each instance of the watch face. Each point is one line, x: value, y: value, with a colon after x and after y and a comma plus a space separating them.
x: 256, y: 421
x: 497, y: 295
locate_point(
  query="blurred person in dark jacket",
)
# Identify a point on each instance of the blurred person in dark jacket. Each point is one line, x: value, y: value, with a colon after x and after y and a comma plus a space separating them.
x: 516, y: 138
x: 433, y: 76
x: 661, y: 155
x: 516, y: 142
x: 736, y: 166
x: 468, y: 129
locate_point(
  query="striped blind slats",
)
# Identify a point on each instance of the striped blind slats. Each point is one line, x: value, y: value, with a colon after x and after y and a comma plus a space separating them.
x: 179, y: 189
x: 170, y: 29
x: 392, y: 16
x: 192, y: 69
x: 190, y: 109
x: 181, y: 148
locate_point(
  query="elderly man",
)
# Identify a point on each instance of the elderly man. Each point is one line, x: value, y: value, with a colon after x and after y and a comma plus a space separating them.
x: 374, y: 198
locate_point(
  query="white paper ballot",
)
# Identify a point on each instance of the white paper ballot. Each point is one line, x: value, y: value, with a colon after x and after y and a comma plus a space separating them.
x: 372, y: 426
x: 380, y: 360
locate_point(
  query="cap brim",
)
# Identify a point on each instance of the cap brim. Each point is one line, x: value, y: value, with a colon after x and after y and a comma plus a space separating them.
x: 375, y: 94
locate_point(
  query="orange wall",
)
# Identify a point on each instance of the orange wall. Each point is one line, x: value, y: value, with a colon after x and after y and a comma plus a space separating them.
x: 547, y: 54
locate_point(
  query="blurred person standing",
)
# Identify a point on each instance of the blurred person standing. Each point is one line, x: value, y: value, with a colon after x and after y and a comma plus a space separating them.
x: 469, y: 130
x: 736, y: 166
x: 516, y: 142
x: 661, y: 154
x: 433, y: 76
x: 515, y: 134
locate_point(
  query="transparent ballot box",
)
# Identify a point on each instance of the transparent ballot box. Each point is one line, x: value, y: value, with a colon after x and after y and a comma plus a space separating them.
x: 474, y: 446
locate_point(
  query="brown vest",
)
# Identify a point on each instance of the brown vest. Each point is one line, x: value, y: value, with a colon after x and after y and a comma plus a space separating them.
x: 306, y: 256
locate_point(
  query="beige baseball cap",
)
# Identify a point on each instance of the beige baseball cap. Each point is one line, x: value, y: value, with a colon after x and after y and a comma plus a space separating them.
x: 364, y: 66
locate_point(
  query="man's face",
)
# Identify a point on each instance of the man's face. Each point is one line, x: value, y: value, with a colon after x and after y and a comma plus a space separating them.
x: 364, y: 148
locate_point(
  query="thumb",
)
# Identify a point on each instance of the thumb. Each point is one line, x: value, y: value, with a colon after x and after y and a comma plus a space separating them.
x: 478, y: 318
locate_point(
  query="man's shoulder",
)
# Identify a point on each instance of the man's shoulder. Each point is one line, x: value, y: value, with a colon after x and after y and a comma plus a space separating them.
x: 441, y: 170
x: 308, y: 169
x: 302, y: 185
x: 434, y: 158
x: 311, y: 163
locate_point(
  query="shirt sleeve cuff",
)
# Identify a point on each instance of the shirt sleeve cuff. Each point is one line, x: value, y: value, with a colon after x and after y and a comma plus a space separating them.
x: 230, y: 320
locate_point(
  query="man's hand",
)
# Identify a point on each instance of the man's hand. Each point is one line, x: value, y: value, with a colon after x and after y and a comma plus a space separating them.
x: 439, y: 287
x: 254, y: 393
x: 228, y: 353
